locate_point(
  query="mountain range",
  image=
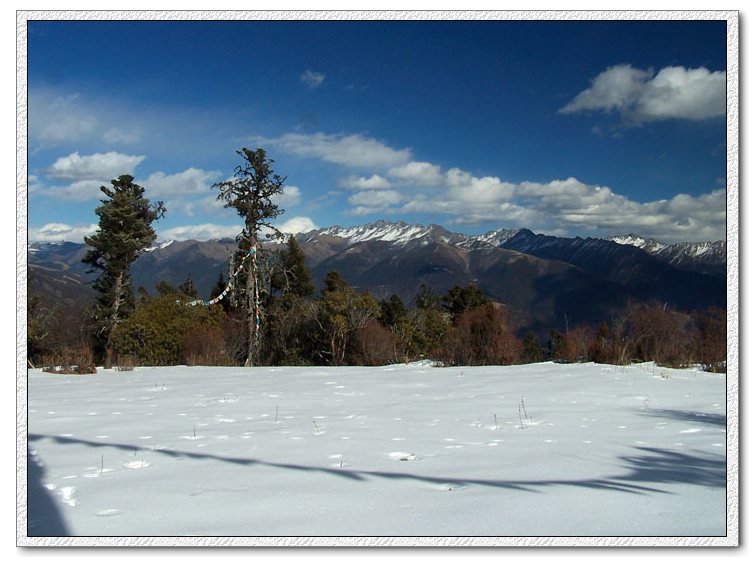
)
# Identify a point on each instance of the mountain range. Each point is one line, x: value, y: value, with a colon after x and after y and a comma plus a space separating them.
x: 543, y: 280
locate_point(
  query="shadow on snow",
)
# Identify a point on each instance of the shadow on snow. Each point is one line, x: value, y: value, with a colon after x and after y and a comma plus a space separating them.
x: 693, y: 416
x: 650, y: 466
x: 44, y: 518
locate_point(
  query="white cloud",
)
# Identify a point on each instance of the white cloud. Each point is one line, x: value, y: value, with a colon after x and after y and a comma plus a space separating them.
x: 352, y: 150
x: 34, y: 185
x: 118, y: 136
x: 59, y: 232
x: 640, y: 96
x: 188, y: 182
x: 676, y: 92
x: 77, y: 191
x: 615, y: 88
x: 557, y: 207
x: 361, y: 183
x: 206, y: 231
x: 55, y: 119
x: 95, y: 166
x: 466, y: 187
x: 419, y: 172
x: 368, y: 202
x: 297, y: 225
x: 312, y: 79
x: 289, y: 197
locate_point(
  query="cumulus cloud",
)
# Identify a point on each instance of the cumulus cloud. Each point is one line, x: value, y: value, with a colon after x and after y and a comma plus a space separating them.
x: 312, y: 79
x: 60, y: 232
x: 571, y: 206
x: 352, y: 150
x: 211, y: 231
x: 676, y: 92
x: 95, y: 166
x: 206, y: 231
x: 642, y: 96
x: 297, y: 225
x: 368, y: 202
x: 187, y: 182
x: 290, y: 196
x: 77, y: 191
x: 361, y: 183
x: 419, y: 172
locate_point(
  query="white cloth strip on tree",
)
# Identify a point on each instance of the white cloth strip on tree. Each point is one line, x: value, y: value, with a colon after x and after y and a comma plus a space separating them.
x: 253, y: 253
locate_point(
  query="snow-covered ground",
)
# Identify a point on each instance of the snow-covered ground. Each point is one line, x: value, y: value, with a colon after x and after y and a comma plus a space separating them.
x: 407, y: 450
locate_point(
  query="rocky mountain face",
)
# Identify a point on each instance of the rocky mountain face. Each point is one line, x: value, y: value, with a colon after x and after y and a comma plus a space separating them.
x: 706, y: 257
x: 543, y: 280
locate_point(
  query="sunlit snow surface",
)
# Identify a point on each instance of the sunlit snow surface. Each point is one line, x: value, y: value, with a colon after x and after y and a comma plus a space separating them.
x: 405, y: 450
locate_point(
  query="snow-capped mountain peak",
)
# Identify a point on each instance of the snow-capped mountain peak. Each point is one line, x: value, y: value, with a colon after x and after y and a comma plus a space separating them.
x: 159, y: 246
x: 393, y: 232
x: 649, y: 245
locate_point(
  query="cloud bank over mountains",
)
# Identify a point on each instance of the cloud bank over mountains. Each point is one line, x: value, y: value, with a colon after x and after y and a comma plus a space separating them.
x: 376, y: 178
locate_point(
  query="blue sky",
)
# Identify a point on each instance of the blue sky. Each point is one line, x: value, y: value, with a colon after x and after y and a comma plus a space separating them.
x: 571, y: 128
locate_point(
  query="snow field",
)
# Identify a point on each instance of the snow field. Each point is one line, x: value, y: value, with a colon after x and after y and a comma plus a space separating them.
x: 405, y: 450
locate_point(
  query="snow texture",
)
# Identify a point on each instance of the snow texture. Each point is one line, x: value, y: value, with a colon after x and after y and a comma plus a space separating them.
x: 540, y: 450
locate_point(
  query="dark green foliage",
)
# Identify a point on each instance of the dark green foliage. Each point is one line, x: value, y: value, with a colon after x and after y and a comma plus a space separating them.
x: 341, y: 314
x: 188, y: 289
x: 556, y: 345
x: 460, y: 299
x: 217, y: 289
x: 426, y: 298
x: 156, y: 332
x: 125, y: 230
x: 532, y: 351
x: 292, y: 276
x: 164, y: 288
x: 251, y: 193
x: 430, y: 328
x: 392, y: 311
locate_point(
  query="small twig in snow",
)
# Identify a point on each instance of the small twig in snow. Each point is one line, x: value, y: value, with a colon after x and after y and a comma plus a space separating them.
x: 524, y: 409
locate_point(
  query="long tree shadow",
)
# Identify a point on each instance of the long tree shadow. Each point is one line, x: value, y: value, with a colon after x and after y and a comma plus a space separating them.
x: 692, y: 416
x: 653, y: 466
x: 43, y: 516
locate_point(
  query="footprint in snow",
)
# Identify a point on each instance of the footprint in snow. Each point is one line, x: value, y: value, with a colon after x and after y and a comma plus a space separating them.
x: 136, y: 465
x: 447, y: 486
x: 109, y: 512
x: 403, y: 456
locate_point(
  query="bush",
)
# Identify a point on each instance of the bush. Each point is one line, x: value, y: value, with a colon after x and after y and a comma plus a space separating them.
x: 482, y: 337
x: 155, y: 334
x: 78, y: 359
x: 710, y: 339
x: 206, y: 347
x: 376, y: 345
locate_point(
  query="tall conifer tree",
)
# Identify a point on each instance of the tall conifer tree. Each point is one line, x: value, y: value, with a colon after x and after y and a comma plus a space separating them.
x: 252, y: 192
x: 125, y: 230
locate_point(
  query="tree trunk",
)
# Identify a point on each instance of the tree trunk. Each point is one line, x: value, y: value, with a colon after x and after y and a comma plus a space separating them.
x: 117, y: 300
x: 251, y: 314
